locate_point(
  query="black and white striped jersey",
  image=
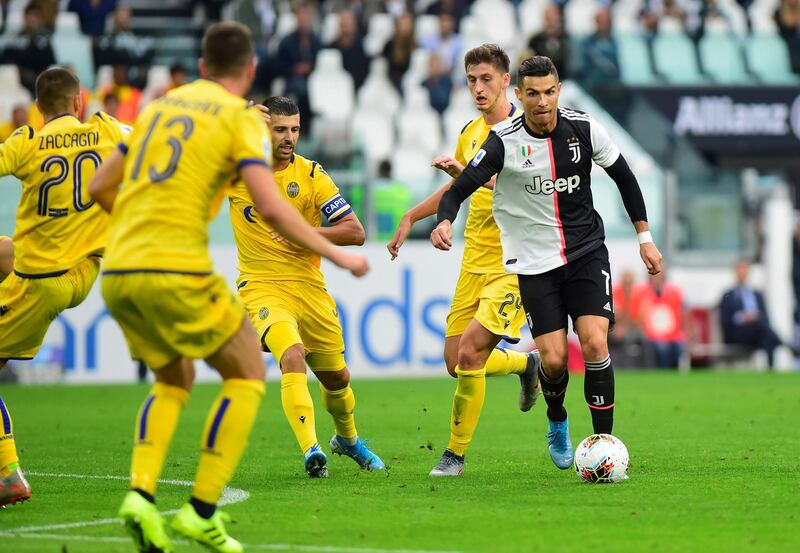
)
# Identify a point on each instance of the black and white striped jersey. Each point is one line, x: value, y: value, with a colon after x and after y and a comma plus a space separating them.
x: 542, y: 198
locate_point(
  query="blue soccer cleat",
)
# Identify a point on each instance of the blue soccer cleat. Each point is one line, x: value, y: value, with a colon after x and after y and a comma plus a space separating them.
x: 558, y: 444
x: 358, y: 452
x: 316, y: 462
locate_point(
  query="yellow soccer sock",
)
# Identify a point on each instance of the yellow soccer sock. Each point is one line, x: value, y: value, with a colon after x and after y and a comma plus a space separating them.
x: 225, y: 436
x: 155, y: 426
x: 8, y: 449
x: 299, y: 408
x: 341, y: 404
x: 505, y: 361
x: 467, y: 405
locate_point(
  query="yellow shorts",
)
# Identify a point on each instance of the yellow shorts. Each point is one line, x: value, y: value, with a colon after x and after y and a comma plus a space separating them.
x: 492, y: 300
x: 310, y: 318
x: 29, y: 305
x: 168, y: 315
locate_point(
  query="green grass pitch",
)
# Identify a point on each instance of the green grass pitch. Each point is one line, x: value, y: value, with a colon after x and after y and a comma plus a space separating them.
x: 715, y: 466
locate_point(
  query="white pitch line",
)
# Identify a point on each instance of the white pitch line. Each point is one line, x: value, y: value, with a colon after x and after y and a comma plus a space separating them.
x: 251, y: 546
x: 229, y: 497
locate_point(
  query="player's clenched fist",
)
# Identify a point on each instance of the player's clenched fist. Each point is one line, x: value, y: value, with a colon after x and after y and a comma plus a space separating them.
x: 353, y: 262
x: 442, y: 235
x: 651, y: 257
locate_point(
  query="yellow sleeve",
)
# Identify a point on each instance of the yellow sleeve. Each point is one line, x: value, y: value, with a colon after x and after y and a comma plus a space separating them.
x: 11, y: 150
x: 327, y: 196
x: 251, y: 143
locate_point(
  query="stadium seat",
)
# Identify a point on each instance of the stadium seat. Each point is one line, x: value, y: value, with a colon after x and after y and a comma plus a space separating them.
x: 330, y: 27
x: 675, y: 59
x: 412, y: 165
x: 12, y: 97
x: 374, y: 131
x: 418, y: 124
x: 634, y: 59
x: 722, y: 58
x: 14, y: 22
x: 471, y: 30
x: 426, y: 27
x: 735, y: 15
x: 104, y: 77
x: 530, y: 17
x: 9, y: 77
x: 330, y: 87
x: 76, y: 50
x: 768, y: 58
x: 579, y: 17
x: 68, y: 23
x: 503, y: 29
x: 762, y: 16
x: 287, y: 23
x: 625, y: 16
x: 378, y: 92
x: 417, y: 70
x: 379, y: 30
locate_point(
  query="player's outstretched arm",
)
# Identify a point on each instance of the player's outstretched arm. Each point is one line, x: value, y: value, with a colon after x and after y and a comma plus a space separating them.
x: 288, y: 221
x: 633, y: 200
x: 347, y: 231
x: 425, y: 208
x: 104, y: 186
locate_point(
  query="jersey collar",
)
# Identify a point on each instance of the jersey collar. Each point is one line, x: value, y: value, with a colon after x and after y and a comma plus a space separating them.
x: 544, y: 135
x: 60, y: 117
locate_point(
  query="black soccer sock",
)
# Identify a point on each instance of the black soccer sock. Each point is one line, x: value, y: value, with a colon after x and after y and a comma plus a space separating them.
x: 149, y: 497
x: 205, y: 510
x: 554, y: 389
x: 598, y: 389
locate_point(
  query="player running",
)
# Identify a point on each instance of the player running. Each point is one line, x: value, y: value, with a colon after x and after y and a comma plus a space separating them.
x: 59, y: 233
x: 553, y: 238
x: 284, y: 291
x: 159, y: 284
x: 486, y: 304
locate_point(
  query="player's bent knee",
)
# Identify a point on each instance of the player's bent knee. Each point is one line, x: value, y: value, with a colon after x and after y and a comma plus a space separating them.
x: 595, y: 347
x: 334, y: 380
x: 179, y: 373
x: 293, y: 359
x: 553, y: 361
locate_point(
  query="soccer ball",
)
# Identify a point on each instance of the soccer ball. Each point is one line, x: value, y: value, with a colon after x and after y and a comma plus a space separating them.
x: 601, y: 458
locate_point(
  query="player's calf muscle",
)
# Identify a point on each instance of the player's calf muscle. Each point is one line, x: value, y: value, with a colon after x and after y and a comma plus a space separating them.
x: 334, y: 380
x: 240, y: 357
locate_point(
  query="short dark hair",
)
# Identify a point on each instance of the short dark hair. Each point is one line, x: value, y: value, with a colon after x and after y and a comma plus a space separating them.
x: 55, y: 89
x: 177, y: 67
x: 488, y: 53
x: 227, y: 48
x: 536, y: 66
x: 281, y: 105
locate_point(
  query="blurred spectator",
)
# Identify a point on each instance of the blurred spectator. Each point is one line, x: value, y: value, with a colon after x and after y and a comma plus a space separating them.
x: 350, y: 43
x: 111, y: 105
x: 600, y: 64
x: 743, y: 316
x: 128, y: 97
x: 178, y: 76
x: 399, y: 49
x: 661, y: 314
x: 260, y: 17
x: 297, y: 54
x: 552, y: 41
x: 121, y: 46
x: 625, y: 341
x: 92, y: 14
x: 455, y: 8
x: 439, y: 83
x: 787, y: 18
x: 30, y: 51
x: 448, y: 46
x: 19, y: 117
x: 669, y: 16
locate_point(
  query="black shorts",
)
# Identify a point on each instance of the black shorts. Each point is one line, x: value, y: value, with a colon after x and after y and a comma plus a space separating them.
x: 581, y: 287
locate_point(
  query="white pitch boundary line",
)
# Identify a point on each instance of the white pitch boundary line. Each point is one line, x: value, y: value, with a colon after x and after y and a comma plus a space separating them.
x: 230, y: 496
x: 250, y: 546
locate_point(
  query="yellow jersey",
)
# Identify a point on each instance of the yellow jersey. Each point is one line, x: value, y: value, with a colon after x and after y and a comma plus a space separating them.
x: 482, y: 251
x: 185, y: 147
x: 58, y: 225
x: 263, y: 253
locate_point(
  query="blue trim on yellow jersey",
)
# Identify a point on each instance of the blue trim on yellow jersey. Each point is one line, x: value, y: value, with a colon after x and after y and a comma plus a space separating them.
x: 313, y: 168
x: 465, y: 126
x: 143, y: 419
x: 242, y: 284
x: 252, y: 161
x: 128, y: 271
x: 6, y: 417
x: 513, y: 110
x: 40, y: 275
x: 30, y: 132
x: 341, y: 216
x: 59, y: 117
x: 15, y: 358
x: 122, y: 148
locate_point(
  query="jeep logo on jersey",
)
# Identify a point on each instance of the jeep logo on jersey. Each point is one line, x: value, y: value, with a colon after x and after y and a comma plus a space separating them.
x: 547, y: 186
x: 292, y: 189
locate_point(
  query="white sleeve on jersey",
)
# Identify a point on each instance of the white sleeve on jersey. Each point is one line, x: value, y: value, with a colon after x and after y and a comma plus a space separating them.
x: 604, y: 151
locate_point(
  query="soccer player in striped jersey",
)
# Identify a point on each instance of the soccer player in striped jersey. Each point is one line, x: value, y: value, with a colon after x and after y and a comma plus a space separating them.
x: 553, y: 238
x: 284, y: 291
x: 486, y: 304
x: 59, y: 234
x: 159, y: 283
